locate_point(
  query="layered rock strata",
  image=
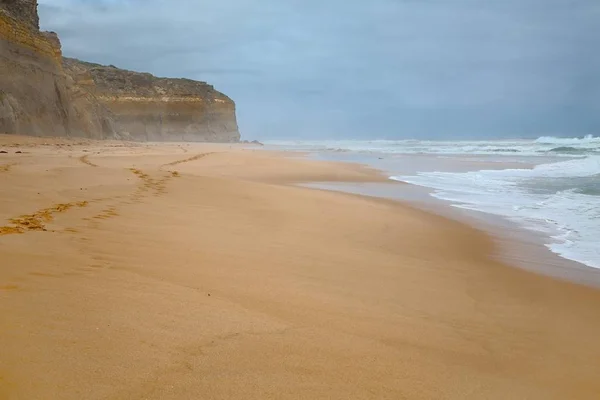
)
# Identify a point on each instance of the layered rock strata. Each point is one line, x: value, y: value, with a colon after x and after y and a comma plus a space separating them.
x: 158, y: 109
x: 43, y: 95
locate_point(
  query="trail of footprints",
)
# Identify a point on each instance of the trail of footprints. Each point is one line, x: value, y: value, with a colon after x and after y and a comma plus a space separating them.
x: 6, y: 167
x: 148, y: 186
x: 86, y: 160
x: 38, y: 220
x: 194, y: 158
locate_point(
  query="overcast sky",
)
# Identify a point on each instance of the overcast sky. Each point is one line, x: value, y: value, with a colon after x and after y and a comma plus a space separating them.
x: 361, y: 68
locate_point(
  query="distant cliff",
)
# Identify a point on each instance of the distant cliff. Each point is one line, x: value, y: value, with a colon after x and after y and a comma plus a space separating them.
x: 158, y: 109
x: 41, y: 94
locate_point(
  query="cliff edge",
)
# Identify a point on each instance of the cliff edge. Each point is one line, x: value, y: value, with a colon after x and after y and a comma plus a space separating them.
x: 42, y: 94
x: 145, y: 107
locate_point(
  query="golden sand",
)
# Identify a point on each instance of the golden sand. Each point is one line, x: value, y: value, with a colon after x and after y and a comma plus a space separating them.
x: 133, y: 271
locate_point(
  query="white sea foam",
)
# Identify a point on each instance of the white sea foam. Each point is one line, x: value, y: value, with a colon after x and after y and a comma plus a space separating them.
x: 588, y: 139
x: 560, y: 199
x: 551, y: 198
x: 543, y: 146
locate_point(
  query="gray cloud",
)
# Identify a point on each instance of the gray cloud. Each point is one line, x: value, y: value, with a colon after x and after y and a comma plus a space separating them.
x: 349, y: 68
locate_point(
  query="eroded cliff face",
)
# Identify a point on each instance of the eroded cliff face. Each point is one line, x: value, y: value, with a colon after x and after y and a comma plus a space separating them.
x: 36, y: 96
x: 40, y: 95
x: 158, y: 109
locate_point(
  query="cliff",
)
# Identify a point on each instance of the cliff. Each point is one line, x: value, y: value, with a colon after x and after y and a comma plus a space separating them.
x: 43, y: 95
x: 36, y: 96
x: 158, y: 109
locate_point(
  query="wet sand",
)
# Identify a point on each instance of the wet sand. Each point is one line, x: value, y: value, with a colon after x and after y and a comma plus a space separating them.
x: 134, y: 271
x: 513, y: 244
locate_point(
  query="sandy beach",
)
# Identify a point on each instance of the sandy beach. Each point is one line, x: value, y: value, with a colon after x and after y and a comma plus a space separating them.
x: 188, y: 271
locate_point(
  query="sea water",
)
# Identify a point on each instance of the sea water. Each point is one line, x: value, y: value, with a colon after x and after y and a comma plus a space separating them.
x: 550, y: 185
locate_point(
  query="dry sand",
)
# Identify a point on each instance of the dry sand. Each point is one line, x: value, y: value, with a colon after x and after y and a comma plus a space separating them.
x: 133, y: 271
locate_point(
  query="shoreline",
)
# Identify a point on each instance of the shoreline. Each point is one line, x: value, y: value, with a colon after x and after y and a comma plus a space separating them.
x: 518, y: 247
x: 171, y: 271
x: 531, y: 247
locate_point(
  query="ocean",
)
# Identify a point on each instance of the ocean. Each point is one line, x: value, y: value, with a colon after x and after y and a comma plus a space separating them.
x: 549, y: 185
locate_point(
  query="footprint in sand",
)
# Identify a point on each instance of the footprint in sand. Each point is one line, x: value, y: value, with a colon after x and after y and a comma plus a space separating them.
x: 185, y: 160
x: 6, y: 167
x: 37, y: 221
x: 85, y: 159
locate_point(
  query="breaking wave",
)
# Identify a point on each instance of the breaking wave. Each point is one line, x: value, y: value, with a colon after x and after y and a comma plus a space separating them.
x: 543, y: 146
